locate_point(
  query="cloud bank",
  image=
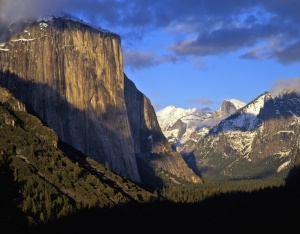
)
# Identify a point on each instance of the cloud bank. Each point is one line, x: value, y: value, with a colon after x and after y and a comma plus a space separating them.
x: 257, y: 29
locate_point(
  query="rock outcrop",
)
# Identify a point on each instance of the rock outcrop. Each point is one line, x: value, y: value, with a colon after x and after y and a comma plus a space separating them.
x: 71, y: 75
x: 228, y: 107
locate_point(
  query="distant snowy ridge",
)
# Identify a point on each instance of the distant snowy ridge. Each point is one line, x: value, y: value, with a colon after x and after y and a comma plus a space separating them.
x: 264, y: 132
x: 168, y: 116
x: 178, y: 124
x: 183, y: 125
x: 246, y: 120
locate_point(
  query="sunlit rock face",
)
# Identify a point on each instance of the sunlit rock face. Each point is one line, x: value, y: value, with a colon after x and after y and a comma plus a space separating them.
x: 71, y: 75
x: 228, y: 107
x: 258, y: 141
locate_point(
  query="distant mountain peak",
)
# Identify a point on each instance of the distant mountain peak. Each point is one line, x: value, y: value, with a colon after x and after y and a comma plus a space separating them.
x: 229, y: 106
x: 185, y: 126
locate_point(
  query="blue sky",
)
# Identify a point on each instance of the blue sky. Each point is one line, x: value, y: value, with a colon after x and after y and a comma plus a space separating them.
x: 193, y: 53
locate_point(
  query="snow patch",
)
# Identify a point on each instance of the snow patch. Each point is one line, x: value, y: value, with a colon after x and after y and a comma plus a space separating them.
x: 43, y: 25
x: 283, y: 166
x: 241, y: 141
x: 168, y: 116
x: 283, y: 154
x: 237, y: 103
x: 254, y: 107
x: 171, y: 134
x: 23, y: 40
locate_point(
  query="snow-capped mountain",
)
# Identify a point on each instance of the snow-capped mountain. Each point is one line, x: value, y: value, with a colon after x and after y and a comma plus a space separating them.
x: 260, y: 140
x: 178, y: 123
x: 228, y: 107
x: 184, y: 127
x: 246, y: 119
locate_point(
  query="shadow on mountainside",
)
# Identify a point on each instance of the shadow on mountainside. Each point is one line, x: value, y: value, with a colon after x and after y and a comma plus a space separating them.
x: 51, y: 108
x: 190, y: 160
x: 11, y: 216
x: 240, y: 212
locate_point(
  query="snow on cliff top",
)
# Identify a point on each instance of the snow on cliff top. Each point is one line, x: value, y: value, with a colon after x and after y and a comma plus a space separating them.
x: 237, y: 103
x: 246, y: 120
x: 50, y: 18
x: 254, y: 107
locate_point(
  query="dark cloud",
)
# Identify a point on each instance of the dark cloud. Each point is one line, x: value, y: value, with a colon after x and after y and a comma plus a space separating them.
x: 207, y: 27
x: 290, y: 53
x: 202, y: 100
x: 15, y: 10
x: 216, y: 42
x: 231, y: 37
x: 136, y: 60
x: 286, y: 10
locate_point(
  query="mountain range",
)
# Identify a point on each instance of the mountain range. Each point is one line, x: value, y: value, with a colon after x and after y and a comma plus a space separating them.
x: 183, y: 127
x: 250, y: 141
x: 82, y: 149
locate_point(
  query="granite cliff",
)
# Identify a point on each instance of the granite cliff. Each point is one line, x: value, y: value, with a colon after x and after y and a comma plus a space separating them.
x: 228, y: 107
x: 71, y: 76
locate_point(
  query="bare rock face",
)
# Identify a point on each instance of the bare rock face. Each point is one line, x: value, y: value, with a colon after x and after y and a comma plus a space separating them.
x: 71, y: 75
x: 228, y: 107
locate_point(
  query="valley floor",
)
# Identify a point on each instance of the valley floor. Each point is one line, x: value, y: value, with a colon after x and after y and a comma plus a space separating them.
x: 267, y: 210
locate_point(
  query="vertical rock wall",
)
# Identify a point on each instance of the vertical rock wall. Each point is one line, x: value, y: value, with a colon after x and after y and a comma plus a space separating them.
x: 71, y: 75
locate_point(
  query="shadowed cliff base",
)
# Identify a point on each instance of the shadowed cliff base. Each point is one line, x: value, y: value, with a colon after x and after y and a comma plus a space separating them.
x: 26, y: 91
x: 11, y: 217
x: 53, y: 114
x: 265, y: 210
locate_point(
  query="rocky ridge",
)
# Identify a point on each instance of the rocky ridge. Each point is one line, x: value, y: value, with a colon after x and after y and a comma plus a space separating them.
x: 258, y: 141
x: 184, y: 127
